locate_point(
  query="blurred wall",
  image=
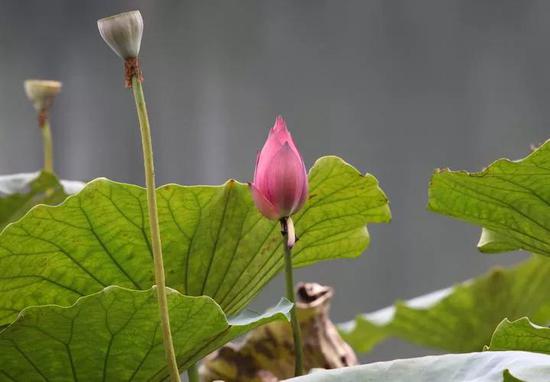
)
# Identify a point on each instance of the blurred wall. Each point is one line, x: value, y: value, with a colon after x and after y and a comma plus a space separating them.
x: 397, y: 88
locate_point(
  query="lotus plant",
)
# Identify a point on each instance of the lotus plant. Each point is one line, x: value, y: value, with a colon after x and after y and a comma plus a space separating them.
x: 76, y: 301
x: 280, y: 189
x: 123, y: 34
x: 42, y: 93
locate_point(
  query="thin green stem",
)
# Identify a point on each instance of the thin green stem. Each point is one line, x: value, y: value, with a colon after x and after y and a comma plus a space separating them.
x: 155, y: 231
x: 48, y: 146
x: 288, y: 242
x: 193, y: 373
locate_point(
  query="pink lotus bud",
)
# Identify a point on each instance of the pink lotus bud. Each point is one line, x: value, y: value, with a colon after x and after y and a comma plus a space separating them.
x: 280, y: 185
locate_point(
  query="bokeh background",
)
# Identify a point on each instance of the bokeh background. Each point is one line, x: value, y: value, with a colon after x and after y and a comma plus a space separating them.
x: 395, y: 87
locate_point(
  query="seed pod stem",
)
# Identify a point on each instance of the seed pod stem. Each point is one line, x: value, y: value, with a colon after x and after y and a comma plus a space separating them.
x: 48, y: 146
x: 154, y: 223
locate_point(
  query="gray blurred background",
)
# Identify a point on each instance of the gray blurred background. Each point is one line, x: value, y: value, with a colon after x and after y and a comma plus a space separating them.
x: 397, y: 88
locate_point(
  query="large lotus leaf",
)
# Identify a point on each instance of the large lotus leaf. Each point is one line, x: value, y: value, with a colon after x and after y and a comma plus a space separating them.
x: 470, y: 367
x: 20, y: 192
x: 115, y: 335
x: 509, y: 199
x: 215, y: 242
x: 461, y: 318
x: 521, y: 334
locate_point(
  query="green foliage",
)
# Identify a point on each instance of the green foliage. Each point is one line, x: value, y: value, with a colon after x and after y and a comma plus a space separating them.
x: 509, y: 199
x: 508, y: 377
x: 20, y: 192
x: 214, y: 241
x: 485, y: 366
x: 461, y: 318
x: 115, y: 335
x: 521, y: 335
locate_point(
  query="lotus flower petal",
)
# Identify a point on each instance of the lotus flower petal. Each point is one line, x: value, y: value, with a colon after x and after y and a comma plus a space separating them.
x: 264, y: 206
x: 286, y: 181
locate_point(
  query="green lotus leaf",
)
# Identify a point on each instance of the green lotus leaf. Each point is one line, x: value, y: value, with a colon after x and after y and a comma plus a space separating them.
x: 521, y: 334
x: 509, y: 199
x: 461, y: 318
x: 115, y: 335
x: 215, y: 242
x: 508, y: 377
x: 485, y: 366
x: 20, y: 192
